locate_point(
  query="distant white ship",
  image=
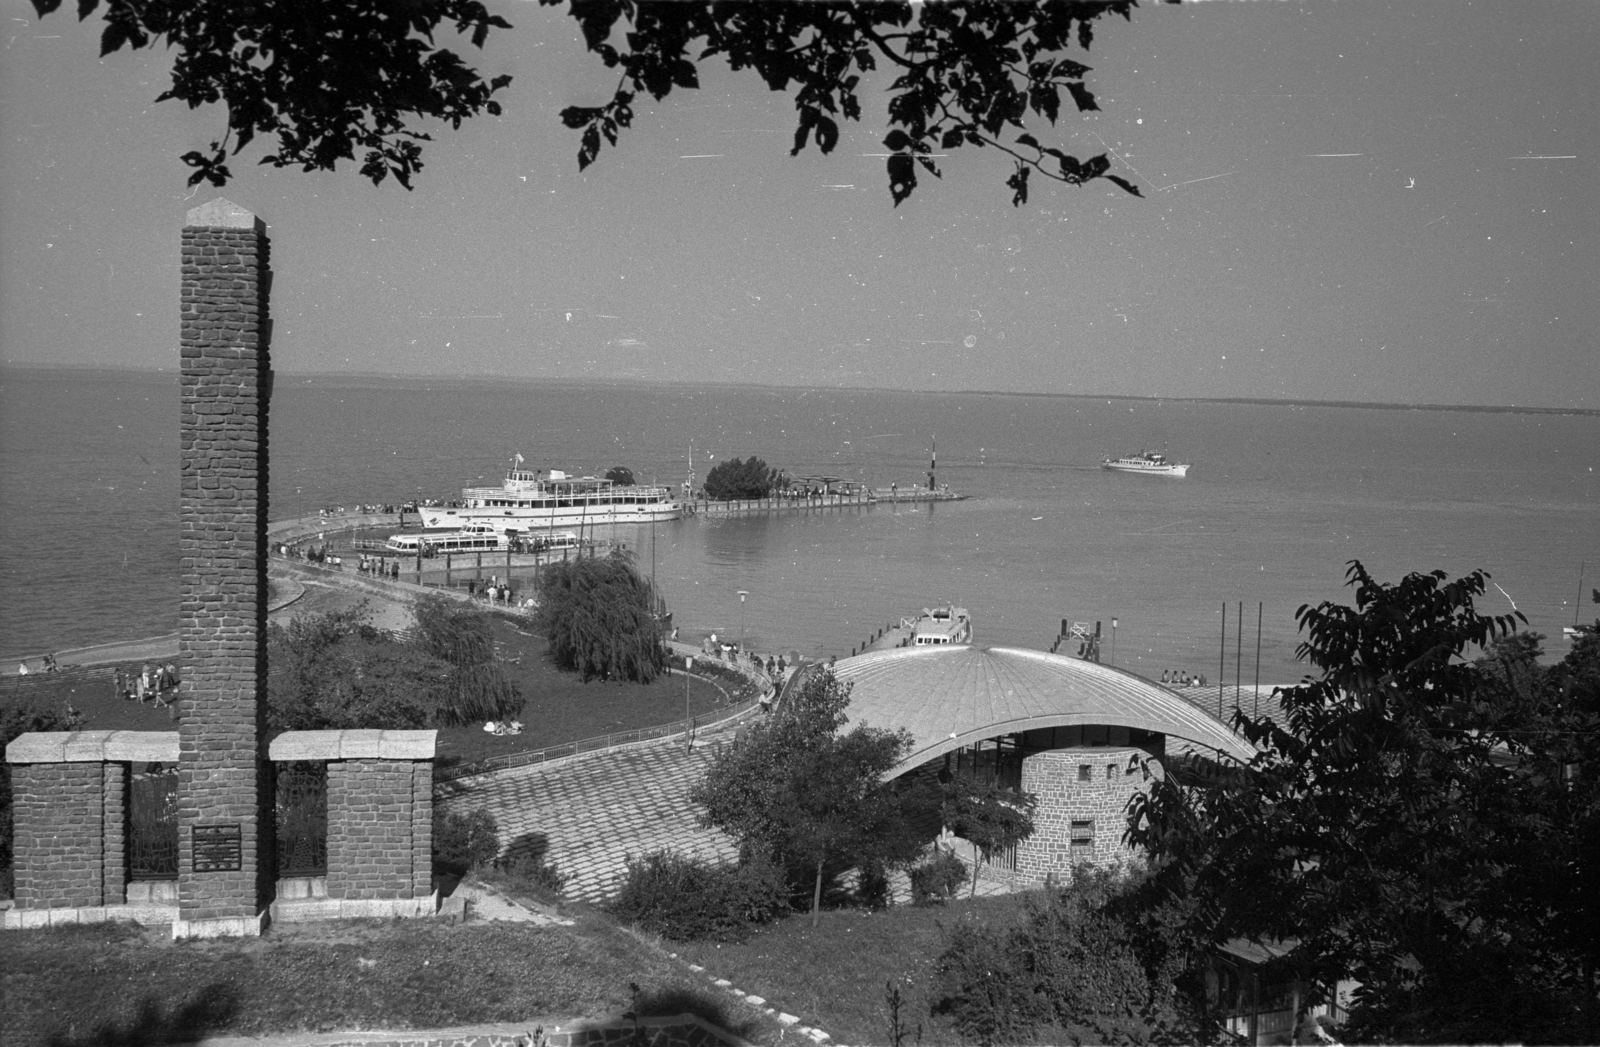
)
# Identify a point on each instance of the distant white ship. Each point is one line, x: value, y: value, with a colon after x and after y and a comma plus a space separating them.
x: 1146, y: 462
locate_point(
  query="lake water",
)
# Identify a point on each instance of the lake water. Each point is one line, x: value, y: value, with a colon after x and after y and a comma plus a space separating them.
x: 1279, y: 498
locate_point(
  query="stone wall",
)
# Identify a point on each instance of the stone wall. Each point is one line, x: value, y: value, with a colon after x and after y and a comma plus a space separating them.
x: 226, y: 381
x: 1083, y: 799
x: 69, y: 801
x: 380, y: 818
x: 59, y: 814
x: 371, y: 829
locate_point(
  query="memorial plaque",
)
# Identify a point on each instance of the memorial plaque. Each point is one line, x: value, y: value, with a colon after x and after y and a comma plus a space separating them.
x: 218, y: 848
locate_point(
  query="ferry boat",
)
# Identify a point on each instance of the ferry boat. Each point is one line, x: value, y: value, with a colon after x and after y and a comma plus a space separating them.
x: 483, y: 538
x: 1146, y: 462
x: 476, y: 538
x: 941, y: 625
x: 535, y: 500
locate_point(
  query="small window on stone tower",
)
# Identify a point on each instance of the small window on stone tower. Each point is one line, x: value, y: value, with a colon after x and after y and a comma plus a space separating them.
x: 1083, y: 833
x: 1085, y: 772
x: 1111, y: 771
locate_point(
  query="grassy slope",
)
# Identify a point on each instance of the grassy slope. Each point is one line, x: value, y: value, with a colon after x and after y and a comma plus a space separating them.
x: 559, y: 706
x: 834, y: 976
x: 114, y: 983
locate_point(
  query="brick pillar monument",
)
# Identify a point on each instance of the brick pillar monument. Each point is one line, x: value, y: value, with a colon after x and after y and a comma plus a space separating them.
x: 224, y: 805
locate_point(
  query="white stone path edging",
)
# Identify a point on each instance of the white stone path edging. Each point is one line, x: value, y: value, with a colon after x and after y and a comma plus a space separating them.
x: 788, y: 1021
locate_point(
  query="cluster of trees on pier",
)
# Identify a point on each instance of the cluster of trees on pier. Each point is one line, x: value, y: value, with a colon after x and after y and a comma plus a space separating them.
x: 740, y: 478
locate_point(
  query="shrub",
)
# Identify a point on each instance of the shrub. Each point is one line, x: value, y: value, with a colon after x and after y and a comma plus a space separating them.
x: 872, y: 886
x: 1068, y: 972
x: 937, y: 879
x: 533, y: 875
x: 464, y: 841
x: 685, y: 898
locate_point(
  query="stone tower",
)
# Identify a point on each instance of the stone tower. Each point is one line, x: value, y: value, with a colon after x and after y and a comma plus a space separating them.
x: 224, y: 804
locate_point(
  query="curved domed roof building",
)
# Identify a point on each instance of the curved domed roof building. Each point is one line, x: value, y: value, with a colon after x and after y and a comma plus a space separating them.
x: 1077, y: 734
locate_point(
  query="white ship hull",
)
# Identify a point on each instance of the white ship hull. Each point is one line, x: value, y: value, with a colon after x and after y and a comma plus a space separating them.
x: 532, y: 520
x: 1169, y: 469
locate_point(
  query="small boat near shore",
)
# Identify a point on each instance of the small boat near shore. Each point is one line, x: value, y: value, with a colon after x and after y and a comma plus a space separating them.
x: 941, y: 625
x: 1149, y: 462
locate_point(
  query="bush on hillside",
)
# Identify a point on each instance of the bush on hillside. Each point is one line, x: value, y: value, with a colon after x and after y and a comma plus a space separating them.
x: 1068, y: 972
x: 685, y: 898
x: 462, y: 842
x: 938, y: 879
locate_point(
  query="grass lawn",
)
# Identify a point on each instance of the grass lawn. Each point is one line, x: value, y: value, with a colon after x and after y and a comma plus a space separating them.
x: 834, y: 976
x: 559, y: 706
x: 121, y: 984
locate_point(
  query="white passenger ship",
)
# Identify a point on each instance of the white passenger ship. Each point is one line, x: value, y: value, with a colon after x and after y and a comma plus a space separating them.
x: 1153, y: 462
x: 482, y: 538
x: 531, y: 501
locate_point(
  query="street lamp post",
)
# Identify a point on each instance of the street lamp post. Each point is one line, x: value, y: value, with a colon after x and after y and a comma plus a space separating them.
x: 742, y: 594
x: 1113, y: 640
x: 688, y: 663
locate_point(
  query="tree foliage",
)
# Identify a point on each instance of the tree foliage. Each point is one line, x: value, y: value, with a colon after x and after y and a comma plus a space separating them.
x: 337, y: 671
x: 738, y: 478
x: 990, y: 816
x: 339, y: 77
x: 598, y: 616
x: 1410, y: 826
x: 329, y: 79
x: 620, y: 475
x: 798, y: 792
x: 1066, y: 972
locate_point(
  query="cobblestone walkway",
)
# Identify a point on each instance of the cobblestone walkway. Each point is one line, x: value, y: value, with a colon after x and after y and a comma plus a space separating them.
x: 587, y: 815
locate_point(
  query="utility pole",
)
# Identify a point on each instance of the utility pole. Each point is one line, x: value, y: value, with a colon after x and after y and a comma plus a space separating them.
x: 688, y: 663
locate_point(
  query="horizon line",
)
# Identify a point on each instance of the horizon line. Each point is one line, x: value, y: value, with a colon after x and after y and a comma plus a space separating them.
x: 1285, y: 401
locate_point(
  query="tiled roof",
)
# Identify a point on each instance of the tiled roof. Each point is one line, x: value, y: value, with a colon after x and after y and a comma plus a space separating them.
x: 950, y: 697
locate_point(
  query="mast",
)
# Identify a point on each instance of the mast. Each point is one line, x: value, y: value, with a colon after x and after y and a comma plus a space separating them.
x: 933, y: 461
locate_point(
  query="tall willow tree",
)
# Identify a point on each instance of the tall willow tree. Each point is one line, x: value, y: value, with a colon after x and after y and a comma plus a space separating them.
x: 599, y: 618
x: 476, y: 687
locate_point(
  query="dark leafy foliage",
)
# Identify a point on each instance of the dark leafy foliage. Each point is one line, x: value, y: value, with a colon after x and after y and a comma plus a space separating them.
x: 329, y: 78
x: 1067, y: 972
x: 964, y: 74
x: 620, y: 475
x: 1415, y: 826
x: 476, y: 689
x: 599, y: 618
x: 336, y: 671
x: 936, y: 880
x: 801, y: 794
x: 988, y: 815
x: 685, y: 898
x: 738, y: 478
x: 462, y: 842
x: 341, y: 77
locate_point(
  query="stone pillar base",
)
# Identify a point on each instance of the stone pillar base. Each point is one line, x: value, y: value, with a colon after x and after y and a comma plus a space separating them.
x: 27, y: 919
x: 231, y: 927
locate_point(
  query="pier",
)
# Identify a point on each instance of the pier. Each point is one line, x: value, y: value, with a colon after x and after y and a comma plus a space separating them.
x: 854, y: 496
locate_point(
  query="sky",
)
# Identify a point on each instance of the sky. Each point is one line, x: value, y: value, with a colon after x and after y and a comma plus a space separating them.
x: 1364, y: 200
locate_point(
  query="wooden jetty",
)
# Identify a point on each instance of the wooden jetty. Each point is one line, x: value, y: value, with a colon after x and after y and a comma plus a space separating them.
x: 853, y: 496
